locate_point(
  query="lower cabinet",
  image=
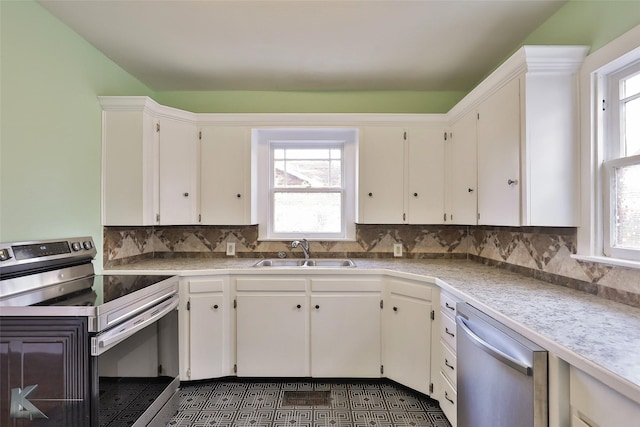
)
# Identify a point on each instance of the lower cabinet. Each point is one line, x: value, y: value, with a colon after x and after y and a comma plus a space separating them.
x: 594, y: 404
x: 272, y: 327
x: 345, y: 328
x: 206, y: 339
x: 448, y: 366
x: 407, y: 334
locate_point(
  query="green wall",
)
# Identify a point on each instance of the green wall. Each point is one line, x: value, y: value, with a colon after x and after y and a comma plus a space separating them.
x: 50, y: 125
x: 50, y: 119
x: 312, y: 102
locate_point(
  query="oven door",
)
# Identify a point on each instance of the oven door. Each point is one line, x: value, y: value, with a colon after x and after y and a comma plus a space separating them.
x: 134, y: 369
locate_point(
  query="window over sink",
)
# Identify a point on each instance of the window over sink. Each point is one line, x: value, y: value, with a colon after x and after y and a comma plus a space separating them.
x: 305, y: 181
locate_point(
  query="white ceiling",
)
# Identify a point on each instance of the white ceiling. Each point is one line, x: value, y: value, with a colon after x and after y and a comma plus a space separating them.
x: 304, y: 44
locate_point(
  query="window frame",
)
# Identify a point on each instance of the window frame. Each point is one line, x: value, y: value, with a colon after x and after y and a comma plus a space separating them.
x: 596, y: 132
x: 265, y: 141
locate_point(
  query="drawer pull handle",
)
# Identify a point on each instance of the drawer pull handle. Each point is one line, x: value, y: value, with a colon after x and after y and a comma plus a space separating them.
x: 446, y: 362
x: 450, y: 307
x: 446, y: 396
x: 448, y: 332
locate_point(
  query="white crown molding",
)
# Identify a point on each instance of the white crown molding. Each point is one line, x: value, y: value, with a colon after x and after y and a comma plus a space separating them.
x: 528, y: 59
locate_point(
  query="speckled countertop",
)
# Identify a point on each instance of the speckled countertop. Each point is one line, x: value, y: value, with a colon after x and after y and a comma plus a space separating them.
x: 600, y: 337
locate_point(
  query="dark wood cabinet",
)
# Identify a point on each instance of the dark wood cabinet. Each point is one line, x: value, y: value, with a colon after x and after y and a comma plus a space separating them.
x: 44, y: 372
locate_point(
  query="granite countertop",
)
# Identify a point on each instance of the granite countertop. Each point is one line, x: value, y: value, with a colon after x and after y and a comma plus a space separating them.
x: 598, y: 336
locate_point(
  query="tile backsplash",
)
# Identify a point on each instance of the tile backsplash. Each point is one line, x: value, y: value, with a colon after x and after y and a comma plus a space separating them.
x: 544, y: 253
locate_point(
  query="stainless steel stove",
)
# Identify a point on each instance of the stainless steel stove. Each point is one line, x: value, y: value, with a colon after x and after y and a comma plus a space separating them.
x: 84, y: 349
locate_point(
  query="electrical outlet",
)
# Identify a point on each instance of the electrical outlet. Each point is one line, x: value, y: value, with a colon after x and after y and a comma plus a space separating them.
x: 231, y: 248
x: 397, y: 249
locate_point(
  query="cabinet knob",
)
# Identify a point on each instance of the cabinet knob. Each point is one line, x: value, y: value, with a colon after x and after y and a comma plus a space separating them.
x: 215, y: 307
x: 395, y: 308
x: 238, y: 195
x: 415, y: 194
x: 370, y: 194
x: 317, y: 307
x: 470, y: 190
x: 512, y: 182
x: 298, y: 306
x: 185, y: 194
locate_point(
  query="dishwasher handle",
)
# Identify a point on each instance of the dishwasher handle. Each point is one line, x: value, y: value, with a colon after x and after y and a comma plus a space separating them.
x: 492, y: 351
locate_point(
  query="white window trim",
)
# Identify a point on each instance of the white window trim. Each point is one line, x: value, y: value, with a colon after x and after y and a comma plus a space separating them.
x: 261, y: 153
x: 597, y: 67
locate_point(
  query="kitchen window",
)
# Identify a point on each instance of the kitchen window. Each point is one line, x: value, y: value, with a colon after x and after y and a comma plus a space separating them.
x: 621, y: 168
x: 306, y: 183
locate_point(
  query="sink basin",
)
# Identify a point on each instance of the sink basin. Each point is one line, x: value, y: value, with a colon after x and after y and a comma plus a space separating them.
x: 329, y: 262
x: 277, y: 262
x: 317, y: 262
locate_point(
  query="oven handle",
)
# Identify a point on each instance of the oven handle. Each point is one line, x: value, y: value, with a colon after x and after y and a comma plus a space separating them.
x: 103, y: 342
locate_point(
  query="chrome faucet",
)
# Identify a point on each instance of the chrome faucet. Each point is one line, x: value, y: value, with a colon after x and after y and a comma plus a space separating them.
x: 303, y: 244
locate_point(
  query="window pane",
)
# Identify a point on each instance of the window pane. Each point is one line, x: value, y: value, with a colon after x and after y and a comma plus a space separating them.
x: 278, y: 153
x: 627, y: 207
x: 630, y: 86
x: 307, y: 153
x: 632, y: 127
x: 307, y: 212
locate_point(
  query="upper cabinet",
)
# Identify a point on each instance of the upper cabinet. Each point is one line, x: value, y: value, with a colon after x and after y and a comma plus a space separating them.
x: 461, y: 172
x: 401, y: 177
x: 381, y: 165
x: 149, y: 163
x: 225, y: 175
x: 527, y: 140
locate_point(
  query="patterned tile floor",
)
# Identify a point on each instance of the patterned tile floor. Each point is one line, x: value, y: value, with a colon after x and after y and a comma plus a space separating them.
x: 258, y: 403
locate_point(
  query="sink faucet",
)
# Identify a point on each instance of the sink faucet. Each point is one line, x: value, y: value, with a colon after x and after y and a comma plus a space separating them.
x: 304, y: 245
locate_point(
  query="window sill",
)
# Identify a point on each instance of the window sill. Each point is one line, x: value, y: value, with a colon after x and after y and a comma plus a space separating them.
x: 607, y: 260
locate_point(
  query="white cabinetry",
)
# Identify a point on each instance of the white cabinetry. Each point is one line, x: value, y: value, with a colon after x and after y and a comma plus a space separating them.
x: 179, y: 173
x: 345, y: 328
x: 206, y: 323
x: 381, y: 184
x: 527, y: 139
x: 225, y: 175
x: 401, y: 175
x: 425, y: 170
x: 272, y: 327
x: 594, y: 404
x: 407, y: 334
x: 149, y: 163
x: 448, y: 359
x: 461, y: 170
x: 498, y: 136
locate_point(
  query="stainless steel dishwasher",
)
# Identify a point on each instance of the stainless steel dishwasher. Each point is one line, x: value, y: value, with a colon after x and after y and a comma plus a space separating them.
x: 502, y: 376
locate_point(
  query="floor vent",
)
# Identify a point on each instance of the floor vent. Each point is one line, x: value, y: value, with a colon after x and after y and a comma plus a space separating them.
x: 306, y: 398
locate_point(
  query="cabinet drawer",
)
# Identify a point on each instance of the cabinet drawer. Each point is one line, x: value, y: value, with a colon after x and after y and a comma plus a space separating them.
x: 449, y: 401
x: 448, y: 364
x: 272, y: 284
x: 205, y: 285
x: 345, y: 285
x: 448, y: 304
x: 420, y: 291
x: 448, y: 330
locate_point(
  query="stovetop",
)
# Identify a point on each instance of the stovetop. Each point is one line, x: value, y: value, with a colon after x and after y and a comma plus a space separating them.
x: 102, y: 289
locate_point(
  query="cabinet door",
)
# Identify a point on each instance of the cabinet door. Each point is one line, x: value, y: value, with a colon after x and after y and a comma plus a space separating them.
x: 499, y: 157
x: 461, y: 167
x: 178, y: 172
x: 206, y: 337
x: 345, y: 336
x: 225, y: 175
x: 425, y: 187
x: 272, y: 333
x: 129, y: 168
x: 381, y: 165
x: 408, y: 342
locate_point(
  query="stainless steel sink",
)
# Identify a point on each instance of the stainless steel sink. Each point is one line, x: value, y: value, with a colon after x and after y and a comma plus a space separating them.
x: 315, y: 262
